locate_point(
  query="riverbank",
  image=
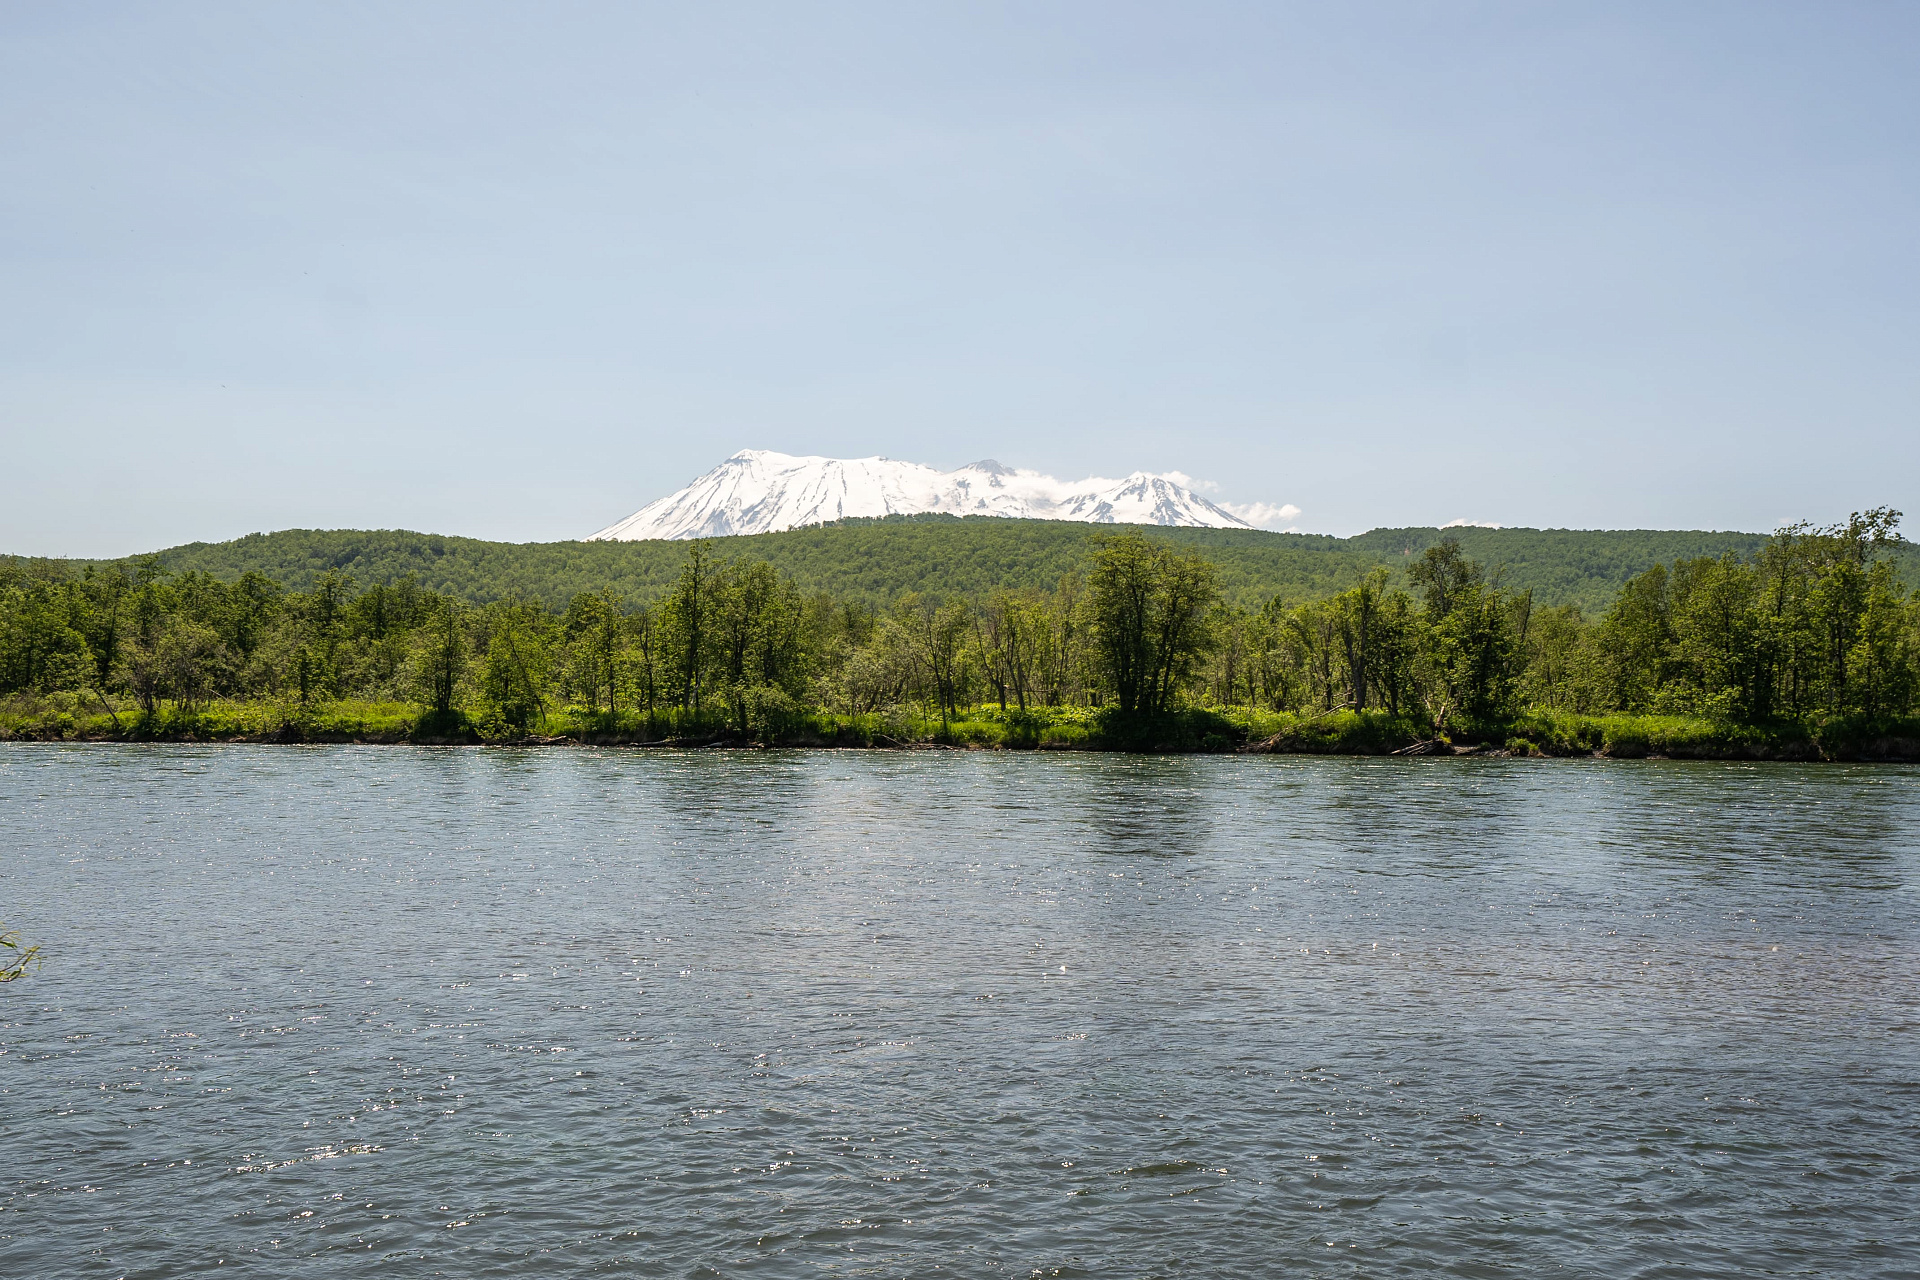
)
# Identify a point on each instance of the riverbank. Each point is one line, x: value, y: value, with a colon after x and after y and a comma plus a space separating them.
x: 67, y: 718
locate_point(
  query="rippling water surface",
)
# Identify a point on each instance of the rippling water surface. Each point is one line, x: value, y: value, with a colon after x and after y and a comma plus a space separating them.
x: 359, y: 1011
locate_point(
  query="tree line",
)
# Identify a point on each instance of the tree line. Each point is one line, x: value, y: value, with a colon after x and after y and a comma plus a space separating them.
x: 1816, y: 623
x: 877, y: 560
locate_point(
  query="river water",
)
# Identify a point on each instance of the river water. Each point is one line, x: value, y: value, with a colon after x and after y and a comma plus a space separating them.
x: 453, y: 1012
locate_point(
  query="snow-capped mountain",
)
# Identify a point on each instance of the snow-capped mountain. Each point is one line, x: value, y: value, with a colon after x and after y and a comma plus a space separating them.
x: 757, y: 491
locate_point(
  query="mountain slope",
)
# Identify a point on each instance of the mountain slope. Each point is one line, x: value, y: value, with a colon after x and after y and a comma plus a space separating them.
x: 877, y: 560
x: 758, y: 491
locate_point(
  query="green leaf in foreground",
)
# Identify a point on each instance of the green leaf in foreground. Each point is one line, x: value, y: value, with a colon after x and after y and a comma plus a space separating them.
x: 18, y: 959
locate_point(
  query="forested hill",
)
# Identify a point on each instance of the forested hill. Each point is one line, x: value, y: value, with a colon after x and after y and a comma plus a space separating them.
x: 878, y: 559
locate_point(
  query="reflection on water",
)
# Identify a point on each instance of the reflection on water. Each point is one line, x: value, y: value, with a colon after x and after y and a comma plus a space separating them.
x: 336, y: 1011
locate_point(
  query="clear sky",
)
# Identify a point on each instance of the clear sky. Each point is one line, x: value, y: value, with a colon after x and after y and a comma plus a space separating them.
x: 512, y: 271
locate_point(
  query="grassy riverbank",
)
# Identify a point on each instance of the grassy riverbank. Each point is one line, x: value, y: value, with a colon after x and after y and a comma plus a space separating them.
x: 70, y: 718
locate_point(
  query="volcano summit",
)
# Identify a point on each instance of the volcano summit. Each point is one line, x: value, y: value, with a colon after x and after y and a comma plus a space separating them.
x: 758, y: 491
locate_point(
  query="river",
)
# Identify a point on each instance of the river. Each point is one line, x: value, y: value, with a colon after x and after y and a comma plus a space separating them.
x: 343, y: 1011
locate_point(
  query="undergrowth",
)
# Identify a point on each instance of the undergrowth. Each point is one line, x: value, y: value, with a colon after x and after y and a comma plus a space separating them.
x: 74, y: 717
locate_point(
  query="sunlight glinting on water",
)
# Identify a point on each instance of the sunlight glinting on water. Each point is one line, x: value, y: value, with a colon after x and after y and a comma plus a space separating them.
x: 333, y: 1011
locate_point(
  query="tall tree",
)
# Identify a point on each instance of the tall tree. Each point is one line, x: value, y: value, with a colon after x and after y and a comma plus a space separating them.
x: 440, y: 658
x: 938, y: 633
x: 643, y: 627
x: 1149, y: 604
x: 686, y: 614
x: 1444, y: 574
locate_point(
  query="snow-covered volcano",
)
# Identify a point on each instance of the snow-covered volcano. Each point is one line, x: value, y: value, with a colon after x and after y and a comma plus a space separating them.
x: 756, y: 491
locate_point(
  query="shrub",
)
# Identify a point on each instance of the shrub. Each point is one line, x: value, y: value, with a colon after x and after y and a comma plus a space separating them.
x: 1022, y: 729
x: 1064, y: 737
x: 771, y: 712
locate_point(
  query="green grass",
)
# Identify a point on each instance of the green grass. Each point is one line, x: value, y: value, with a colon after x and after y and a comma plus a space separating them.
x: 1695, y: 738
x: 1335, y: 733
x: 74, y: 717
x: 62, y: 716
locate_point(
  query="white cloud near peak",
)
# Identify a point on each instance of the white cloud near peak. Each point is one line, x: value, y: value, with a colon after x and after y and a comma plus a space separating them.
x: 1186, y: 481
x: 1262, y: 515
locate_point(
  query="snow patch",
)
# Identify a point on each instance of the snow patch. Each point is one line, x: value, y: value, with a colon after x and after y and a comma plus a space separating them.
x: 759, y: 491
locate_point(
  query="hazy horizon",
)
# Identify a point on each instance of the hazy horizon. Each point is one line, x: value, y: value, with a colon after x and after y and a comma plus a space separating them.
x: 479, y: 271
x: 442, y: 533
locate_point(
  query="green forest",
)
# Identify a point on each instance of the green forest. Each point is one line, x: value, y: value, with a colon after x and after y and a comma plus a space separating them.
x: 1805, y: 643
x: 875, y: 561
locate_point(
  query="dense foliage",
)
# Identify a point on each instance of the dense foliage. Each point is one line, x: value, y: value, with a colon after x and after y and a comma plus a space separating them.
x: 1815, y: 623
x: 877, y: 561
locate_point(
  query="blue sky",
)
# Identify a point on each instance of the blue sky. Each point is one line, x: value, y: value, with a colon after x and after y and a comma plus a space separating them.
x: 513, y: 271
